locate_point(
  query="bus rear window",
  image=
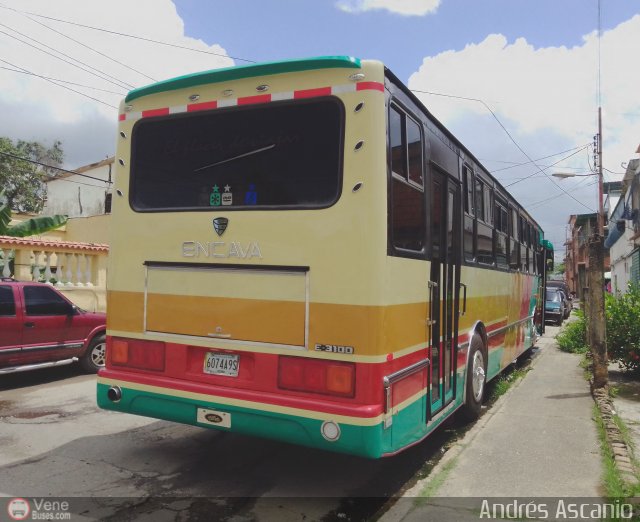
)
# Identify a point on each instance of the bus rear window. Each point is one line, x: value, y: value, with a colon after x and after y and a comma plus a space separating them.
x: 276, y: 155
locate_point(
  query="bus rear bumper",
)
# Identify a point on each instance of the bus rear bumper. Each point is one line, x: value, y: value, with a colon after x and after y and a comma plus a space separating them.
x: 356, y: 436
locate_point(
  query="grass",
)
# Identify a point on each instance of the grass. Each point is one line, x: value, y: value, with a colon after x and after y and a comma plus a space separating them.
x: 434, y: 484
x: 615, y: 487
x: 501, y: 384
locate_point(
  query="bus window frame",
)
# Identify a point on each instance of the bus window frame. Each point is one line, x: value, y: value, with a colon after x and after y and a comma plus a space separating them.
x: 243, y: 208
x: 393, y: 177
x: 469, y: 213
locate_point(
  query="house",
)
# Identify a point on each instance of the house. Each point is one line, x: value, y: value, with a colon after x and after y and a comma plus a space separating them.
x: 84, y: 193
x: 73, y: 257
x: 581, y: 228
x: 623, y: 238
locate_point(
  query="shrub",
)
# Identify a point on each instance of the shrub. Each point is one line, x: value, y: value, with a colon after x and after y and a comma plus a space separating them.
x: 573, y: 337
x: 622, y: 313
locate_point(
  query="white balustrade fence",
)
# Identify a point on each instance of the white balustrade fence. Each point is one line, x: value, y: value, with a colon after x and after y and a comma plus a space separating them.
x: 61, y: 263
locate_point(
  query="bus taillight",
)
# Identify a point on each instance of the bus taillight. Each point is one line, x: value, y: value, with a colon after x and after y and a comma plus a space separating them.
x: 316, y: 376
x: 143, y: 355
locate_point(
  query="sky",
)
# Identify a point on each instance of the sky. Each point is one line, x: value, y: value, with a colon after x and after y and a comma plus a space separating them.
x: 519, y: 82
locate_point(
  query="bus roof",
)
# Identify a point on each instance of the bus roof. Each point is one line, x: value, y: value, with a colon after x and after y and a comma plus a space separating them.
x: 245, y: 71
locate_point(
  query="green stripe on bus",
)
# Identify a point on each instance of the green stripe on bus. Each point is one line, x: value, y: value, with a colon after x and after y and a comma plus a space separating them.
x: 245, y: 71
x: 366, y: 441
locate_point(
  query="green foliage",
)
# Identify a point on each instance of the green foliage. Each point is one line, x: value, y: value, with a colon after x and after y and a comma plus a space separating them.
x: 573, y: 337
x: 22, y: 181
x: 559, y: 268
x: 29, y: 227
x: 622, y: 313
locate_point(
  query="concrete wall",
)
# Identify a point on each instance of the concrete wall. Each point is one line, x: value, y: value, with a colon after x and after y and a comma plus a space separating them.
x: 78, y: 196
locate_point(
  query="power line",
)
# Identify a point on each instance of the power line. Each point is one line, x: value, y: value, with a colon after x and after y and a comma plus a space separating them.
x: 90, y: 48
x: 105, y: 77
x: 128, y: 35
x: 64, y: 86
x: 55, y: 79
x: 508, y: 134
x: 552, y: 165
x: 538, y: 204
x: 52, y: 178
x: 51, y: 167
x: 515, y: 164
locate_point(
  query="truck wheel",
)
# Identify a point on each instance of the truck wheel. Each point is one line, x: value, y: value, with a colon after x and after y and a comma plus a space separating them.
x: 475, y: 380
x: 93, y: 359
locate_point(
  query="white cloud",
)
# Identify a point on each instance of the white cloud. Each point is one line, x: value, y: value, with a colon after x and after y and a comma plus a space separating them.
x: 546, y: 98
x: 401, y: 7
x: 49, y: 112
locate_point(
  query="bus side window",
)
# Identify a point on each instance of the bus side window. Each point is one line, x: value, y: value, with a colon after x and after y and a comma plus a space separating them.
x: 532, y: 249
x: 469, y: 212
x: 484, y: 231
x: 501, y: 233
x: 523, y: 243
x: 514, y: 255
x: 408, y: 222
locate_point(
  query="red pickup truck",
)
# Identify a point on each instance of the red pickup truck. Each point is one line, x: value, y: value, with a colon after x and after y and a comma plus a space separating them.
x: 40, y: 327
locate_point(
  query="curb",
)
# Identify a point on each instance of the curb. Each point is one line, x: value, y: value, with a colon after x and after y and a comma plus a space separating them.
x: 621, y: 452
x: 400, y: 510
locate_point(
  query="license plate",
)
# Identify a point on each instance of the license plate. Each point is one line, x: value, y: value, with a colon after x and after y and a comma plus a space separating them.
x: 221, y: 364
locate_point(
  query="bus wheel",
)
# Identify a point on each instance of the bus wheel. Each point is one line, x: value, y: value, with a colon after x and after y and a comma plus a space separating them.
x: 93, y: 358
x: 475, y: 381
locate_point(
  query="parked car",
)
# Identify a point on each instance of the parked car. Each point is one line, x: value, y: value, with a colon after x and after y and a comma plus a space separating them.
x: 566, y: 303
x: 40, y: 327
x: 562, y: 286
x: 554, y: 306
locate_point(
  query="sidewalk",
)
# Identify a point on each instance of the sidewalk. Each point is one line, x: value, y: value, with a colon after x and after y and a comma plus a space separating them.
x: 537, y: 441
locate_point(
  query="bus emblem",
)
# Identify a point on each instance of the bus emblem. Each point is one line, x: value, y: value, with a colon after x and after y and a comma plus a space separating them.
x: 212, y: 417
x: 220, y: 225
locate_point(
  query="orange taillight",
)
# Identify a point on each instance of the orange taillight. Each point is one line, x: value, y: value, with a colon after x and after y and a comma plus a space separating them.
x: 316, y: 376
x: 132, y: 353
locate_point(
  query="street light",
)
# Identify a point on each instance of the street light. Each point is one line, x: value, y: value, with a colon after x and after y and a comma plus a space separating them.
x: 565, y: 175
x: 601, y: 219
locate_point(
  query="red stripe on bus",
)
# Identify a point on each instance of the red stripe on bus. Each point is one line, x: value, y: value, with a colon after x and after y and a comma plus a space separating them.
x: 203, y: 106
x: 311, y: 93
x: 122, y: 117
x: 155, y: 112
x: 258, y: 98
x: 256, y: 397
x: 366, y: 86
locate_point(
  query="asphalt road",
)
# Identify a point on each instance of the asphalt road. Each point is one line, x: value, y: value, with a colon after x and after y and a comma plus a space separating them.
x: 55, y: 442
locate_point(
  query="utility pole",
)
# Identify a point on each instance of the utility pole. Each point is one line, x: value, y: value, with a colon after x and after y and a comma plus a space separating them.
x: 596, y: 318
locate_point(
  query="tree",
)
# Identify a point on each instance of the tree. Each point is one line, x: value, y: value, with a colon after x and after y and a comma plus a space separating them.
x: 29, y: 227
x: 23, y: 181
x: 560, y: 268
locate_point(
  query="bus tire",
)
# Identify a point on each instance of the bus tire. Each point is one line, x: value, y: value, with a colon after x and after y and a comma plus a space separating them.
x: 475, y: 384
x: 93, y: 358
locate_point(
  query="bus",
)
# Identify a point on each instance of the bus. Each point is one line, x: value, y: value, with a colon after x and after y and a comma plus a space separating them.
x: 300, y: 251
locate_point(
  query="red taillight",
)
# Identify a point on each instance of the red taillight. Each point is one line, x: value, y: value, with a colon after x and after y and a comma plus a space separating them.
x: 316, y: 376
x: 144, y: 355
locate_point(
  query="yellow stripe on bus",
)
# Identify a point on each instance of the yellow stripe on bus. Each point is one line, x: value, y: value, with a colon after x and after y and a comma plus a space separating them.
x: 372, y: 331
